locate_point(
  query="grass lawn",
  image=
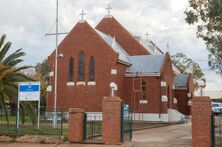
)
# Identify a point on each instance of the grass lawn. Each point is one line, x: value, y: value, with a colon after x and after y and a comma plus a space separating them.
x: 93, y: 130
x: 46, y: 127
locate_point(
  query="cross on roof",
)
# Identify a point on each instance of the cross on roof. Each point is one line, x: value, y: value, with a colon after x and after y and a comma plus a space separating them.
x: 168, y: 46
x: 147, y: 36
x: 82, y: 14
x: 108, y: 9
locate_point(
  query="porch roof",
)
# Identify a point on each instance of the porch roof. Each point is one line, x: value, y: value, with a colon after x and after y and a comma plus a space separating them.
x: 181, y: 81
x: 145, y: 64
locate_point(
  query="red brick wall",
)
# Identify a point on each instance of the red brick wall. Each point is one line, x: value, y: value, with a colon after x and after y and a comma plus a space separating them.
x: 124, y: 38
x: 191, y: 85
x: 153, y: 94
x: 182, y: 101
x: 174, y: 104
x: 201, y: 122
x: 164, y: 105
x: 84, y: 38
x: 111, y: 124
x: 167, y: 75
x: 182, y: 98
x: 76, y: 125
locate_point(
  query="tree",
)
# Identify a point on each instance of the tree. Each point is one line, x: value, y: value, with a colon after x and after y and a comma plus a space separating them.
x: 207, y: 14
x: 10, y: 75
x: 42, y: 74
x: 188, y: 66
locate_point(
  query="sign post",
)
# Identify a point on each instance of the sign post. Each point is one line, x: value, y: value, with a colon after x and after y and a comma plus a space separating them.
x: 28, y: 91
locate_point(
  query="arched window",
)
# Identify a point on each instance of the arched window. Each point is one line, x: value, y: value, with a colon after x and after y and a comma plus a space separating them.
x: 91, y: 69
x: 144, y: 90
x: 81, y: 59
x: 71, y: 69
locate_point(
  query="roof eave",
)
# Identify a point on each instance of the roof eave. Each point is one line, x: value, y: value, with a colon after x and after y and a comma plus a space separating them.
x: 180, y: 88
x: 124, y: 62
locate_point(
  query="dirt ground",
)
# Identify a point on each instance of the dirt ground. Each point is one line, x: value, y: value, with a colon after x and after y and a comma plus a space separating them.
x: 168, y: 136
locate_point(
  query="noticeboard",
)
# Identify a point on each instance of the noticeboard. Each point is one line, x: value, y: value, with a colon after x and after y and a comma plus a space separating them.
x: 29, y: 91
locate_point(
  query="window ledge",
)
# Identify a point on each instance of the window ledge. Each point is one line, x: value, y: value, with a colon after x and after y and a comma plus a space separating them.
x: 70, y: 83
x: 143, y: 101
x: 81, y: 83
x: 91, y: 83
x: 164, y: 98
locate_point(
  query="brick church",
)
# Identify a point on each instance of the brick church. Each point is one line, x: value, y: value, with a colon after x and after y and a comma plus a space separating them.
x: 145, y: 76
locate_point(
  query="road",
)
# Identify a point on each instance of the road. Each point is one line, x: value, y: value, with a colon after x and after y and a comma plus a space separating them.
x: 169, y: 136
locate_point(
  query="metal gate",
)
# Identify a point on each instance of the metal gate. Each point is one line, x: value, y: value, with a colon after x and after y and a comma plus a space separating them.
x: 126, y: 122
x: 216, y: 129
x: 92, y: 128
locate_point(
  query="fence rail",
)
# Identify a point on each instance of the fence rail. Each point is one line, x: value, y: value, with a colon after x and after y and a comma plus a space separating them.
x: 93, y: 128
x: 28, y: 124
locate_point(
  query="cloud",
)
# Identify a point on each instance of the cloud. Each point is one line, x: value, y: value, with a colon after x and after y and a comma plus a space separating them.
x: 26, y: 21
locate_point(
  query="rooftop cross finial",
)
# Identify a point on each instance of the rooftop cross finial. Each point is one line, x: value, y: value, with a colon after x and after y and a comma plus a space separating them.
x: 108, y: 9
x: 82, y: 14
x: 147, y: 36
x: 168, y: 46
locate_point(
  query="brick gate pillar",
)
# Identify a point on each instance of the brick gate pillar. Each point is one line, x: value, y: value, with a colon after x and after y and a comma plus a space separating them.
x: 201, y: 121
x: 111, y: 124
x: 76, y: 124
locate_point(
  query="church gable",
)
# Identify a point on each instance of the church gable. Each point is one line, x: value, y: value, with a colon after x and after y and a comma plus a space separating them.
x: 84, y: 36
x: 111, y: 26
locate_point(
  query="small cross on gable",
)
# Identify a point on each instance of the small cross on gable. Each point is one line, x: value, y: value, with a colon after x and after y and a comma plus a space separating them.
x: 168, y: 46
x: 82, y: 14
x: 108, y: 9
x: 147, y: 36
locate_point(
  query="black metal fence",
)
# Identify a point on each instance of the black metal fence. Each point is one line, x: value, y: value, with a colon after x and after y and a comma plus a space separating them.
x: 92, y: 128
x: 28, y: 124
x: 216, y: 129
x: 126, y: 121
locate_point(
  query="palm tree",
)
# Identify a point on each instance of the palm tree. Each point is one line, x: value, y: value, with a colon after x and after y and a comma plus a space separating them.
x: 10, y: 75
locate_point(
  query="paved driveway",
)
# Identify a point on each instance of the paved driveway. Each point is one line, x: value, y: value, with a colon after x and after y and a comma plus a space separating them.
x: 169, y: 136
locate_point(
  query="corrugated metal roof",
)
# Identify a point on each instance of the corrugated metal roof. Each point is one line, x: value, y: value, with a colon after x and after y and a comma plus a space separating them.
x: 123, y: 56
x: 145, y: 64
x: 153, y: 49
x: 181, y: 81
x: 148, y: 45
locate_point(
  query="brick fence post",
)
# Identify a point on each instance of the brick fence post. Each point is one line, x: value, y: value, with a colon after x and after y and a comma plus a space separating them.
x: 201, y: 121
x: 111, y: 124
x: 76, y: 124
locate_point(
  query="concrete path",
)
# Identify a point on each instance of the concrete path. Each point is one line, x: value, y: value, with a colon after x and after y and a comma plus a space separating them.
x: 169, y: 136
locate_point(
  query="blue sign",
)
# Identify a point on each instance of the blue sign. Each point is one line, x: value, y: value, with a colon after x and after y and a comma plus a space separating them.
x: 28, y: 88
x: 29, y: 91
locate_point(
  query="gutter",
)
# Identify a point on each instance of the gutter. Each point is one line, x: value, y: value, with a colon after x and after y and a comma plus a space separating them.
x: 123, y: 62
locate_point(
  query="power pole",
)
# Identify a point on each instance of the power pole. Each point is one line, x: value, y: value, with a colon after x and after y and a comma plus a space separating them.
x: 56, y: 65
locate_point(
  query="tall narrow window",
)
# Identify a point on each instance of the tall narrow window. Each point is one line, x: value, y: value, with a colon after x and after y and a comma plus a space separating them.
x: 144, y: 90
x: 71, y: 69
x: 91, y: 69
x: 81, y: 59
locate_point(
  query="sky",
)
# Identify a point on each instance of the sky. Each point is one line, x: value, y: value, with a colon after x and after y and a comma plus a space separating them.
x: 25, y: 22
